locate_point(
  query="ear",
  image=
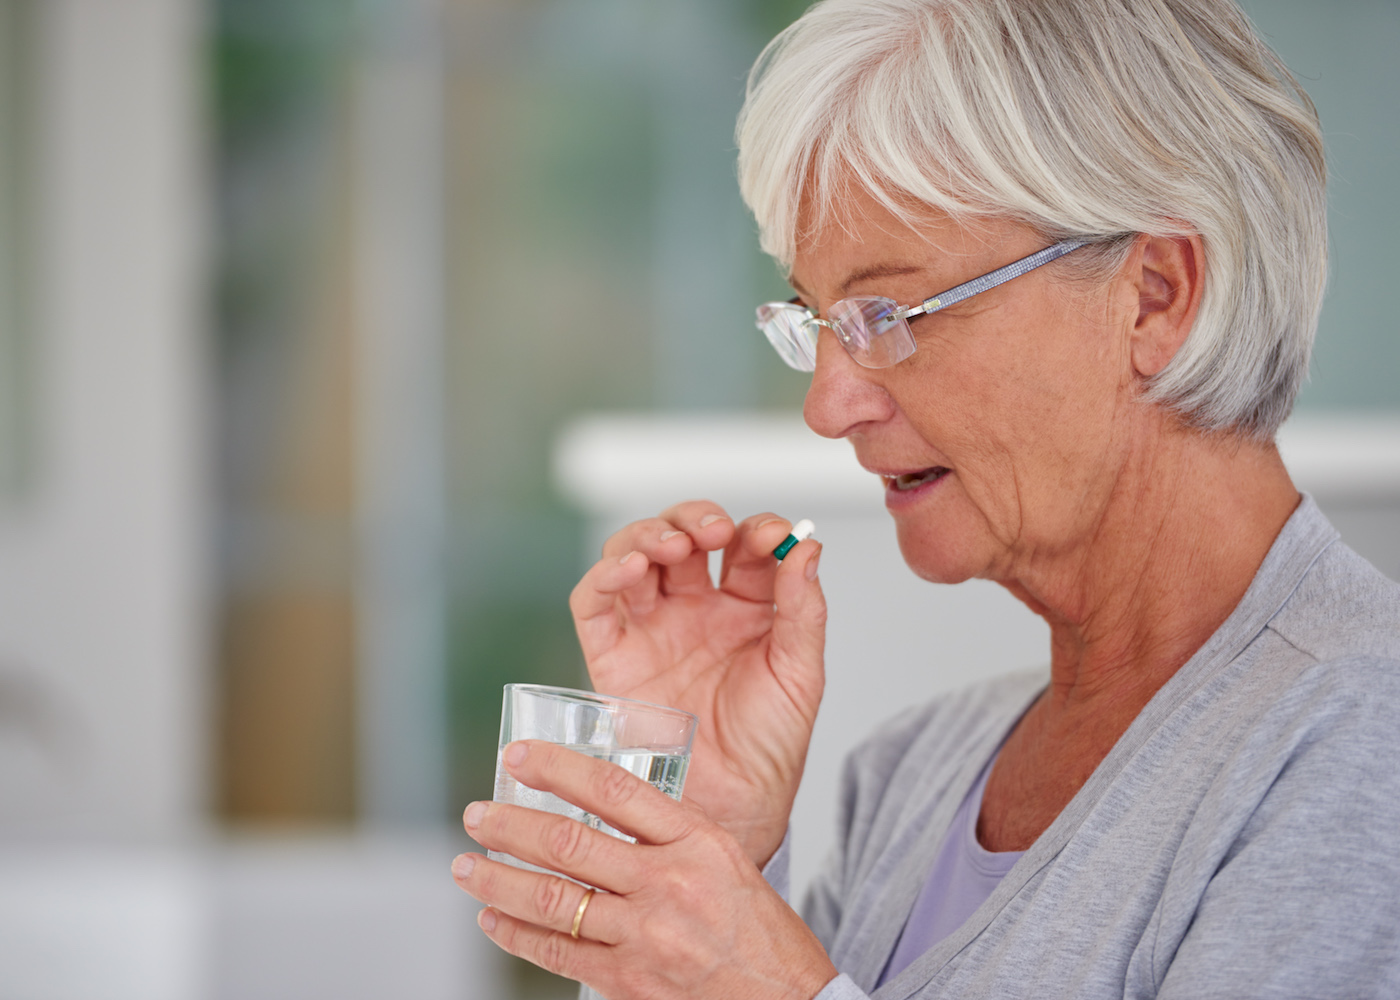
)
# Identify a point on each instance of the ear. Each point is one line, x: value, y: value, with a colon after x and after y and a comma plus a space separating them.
x: 1169, y: 273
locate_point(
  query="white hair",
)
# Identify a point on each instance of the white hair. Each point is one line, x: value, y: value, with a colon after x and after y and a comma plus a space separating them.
x: 1094, y: 119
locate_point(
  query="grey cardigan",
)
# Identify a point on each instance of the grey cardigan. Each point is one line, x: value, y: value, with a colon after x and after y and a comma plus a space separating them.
x: 1242, y: 838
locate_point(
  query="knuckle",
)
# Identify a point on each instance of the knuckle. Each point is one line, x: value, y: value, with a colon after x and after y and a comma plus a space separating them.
x: 677, y: 884
x: 499, y: 823
x: 615, y: 786
x: 732, y: 853
x: 690, y: 824
x: 550, y: 900
x: 484, y: 883
x: 692, y: 510
x: 554, y: 954
x: 568, y: 844
x: 506, y: 938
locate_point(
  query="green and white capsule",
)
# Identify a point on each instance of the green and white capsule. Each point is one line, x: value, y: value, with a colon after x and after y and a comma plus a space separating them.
x: 802, y: 529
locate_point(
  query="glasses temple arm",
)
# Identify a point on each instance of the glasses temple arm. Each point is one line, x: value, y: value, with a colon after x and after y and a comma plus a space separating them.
x: 990, y: 280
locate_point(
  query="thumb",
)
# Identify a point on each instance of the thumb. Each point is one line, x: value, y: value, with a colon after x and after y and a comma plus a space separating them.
x: 798, y: 644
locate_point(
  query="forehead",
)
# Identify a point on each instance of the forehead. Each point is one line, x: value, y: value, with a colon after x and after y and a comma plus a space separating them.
x: 860, y: 237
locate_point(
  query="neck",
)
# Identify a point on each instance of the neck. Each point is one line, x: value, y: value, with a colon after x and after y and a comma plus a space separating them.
x: 1169, y: 554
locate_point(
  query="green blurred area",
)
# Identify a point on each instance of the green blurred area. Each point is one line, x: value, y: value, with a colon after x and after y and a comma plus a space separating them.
x: 554, y: 154
x: 556, y: 121
x: 18, y: 191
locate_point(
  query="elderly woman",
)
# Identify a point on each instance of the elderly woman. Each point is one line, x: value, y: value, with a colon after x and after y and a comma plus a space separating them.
x: 1202, y: 799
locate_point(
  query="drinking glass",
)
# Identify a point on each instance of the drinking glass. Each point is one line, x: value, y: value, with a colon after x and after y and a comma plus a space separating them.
x: 650, y: 741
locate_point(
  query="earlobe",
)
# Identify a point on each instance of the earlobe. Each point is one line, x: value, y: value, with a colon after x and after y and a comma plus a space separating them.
x: 1168, y: 272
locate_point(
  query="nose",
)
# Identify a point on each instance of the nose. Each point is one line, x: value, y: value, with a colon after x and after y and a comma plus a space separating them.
x: 843, y: 395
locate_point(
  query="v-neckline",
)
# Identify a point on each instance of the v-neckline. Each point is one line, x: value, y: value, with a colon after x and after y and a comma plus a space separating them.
x: 1303, y: 538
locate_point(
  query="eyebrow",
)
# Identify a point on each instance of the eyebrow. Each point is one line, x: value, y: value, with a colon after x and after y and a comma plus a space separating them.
x: 865, y: 274
x: 879, y: 271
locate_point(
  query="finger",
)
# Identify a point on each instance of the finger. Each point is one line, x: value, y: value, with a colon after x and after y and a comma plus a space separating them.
x: 678, y: 541
x: 749, y: 566
x: 604, y: 789
x: 667, y: 548
x: 798, y: 643
x: 597, y: 599
x: 553, y: 951
x: 683, y: 567
x: 545, y: 900
x: 709, y: 528
x: 641, y: 599
x: 686, y: 516
x: 557, y: 843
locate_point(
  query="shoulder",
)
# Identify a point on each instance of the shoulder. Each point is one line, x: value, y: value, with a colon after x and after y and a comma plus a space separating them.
x: 1342, y: 608
x: 1326, y: 680
x: 1349, y: 701
x: 1299, y: 872
x: 1322, y: 745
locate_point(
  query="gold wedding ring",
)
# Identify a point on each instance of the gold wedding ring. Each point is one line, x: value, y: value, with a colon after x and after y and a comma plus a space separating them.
x: 578, y: 914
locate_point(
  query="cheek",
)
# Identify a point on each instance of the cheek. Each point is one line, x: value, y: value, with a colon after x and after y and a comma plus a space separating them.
x: 978, y: 401
x: 953, y: 547
x: 1023, y: 413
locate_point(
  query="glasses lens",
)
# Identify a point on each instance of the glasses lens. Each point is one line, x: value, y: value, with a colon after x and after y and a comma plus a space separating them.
x: 786, y: 327
x: 874, y: 336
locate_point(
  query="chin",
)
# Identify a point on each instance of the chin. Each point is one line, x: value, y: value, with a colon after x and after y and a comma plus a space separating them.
x: 938, y: 554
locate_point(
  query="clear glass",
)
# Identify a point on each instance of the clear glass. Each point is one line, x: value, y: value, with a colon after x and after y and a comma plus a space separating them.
x: 651, y: 741
x: 792, y: 331
x: 871, y: 329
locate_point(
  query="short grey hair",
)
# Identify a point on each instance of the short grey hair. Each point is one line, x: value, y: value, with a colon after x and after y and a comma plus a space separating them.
x: 1093, y: 119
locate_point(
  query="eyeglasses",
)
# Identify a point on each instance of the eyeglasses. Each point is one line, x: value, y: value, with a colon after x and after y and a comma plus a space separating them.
x: 875, y: 330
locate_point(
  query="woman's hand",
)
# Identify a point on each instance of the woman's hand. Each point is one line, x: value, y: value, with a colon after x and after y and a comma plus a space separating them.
x: 684, y: 914
x: 746, y: 656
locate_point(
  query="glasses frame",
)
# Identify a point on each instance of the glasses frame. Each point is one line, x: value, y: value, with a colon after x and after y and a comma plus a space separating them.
x: 902, y: 314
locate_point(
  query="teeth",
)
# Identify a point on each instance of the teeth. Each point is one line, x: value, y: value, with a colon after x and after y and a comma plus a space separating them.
x: 910, y: 480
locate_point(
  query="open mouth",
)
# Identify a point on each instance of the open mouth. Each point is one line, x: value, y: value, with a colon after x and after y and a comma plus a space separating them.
x: 913, y: 480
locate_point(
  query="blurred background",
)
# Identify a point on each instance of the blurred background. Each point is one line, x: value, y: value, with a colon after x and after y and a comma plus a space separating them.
x: 334, y: 337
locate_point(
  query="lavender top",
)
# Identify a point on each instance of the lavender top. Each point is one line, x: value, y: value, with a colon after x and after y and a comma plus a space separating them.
x: 962, y: 877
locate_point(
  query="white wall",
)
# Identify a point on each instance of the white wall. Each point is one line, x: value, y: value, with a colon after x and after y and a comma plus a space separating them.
x: 894, y: 640
x: 102, y: 582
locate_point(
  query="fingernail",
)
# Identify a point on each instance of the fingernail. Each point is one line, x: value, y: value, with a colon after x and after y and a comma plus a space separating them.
x: 486, y: 920
x: 767, y: 521
x: 667, y: 535
x: 623, y: 560
x: 812, y: 564
x: 474, y: 814
x: 462, y: 865
x: 710, y: 519
x: 516, y: 753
